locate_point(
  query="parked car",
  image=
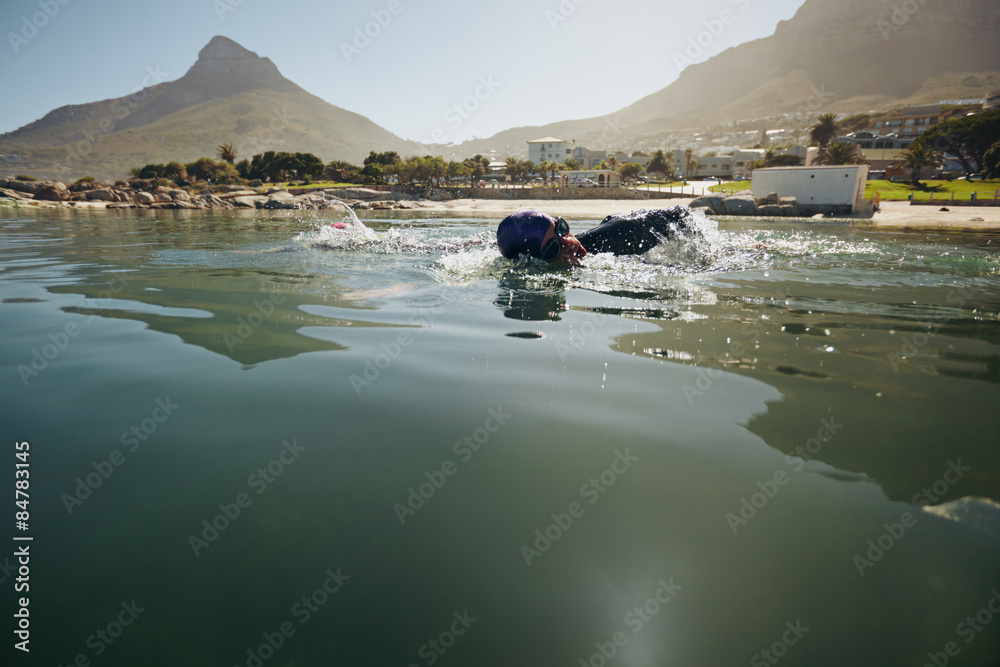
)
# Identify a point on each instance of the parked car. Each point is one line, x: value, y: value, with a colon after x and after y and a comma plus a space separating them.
x: 584, y: 183
x: 713, y: 179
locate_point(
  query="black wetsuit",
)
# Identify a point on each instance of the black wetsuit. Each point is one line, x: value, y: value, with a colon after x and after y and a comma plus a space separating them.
x: 635, y: 233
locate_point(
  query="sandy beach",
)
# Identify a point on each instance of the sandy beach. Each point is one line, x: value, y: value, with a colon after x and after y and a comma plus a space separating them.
x: 894, y: 215
x: 900, y: 214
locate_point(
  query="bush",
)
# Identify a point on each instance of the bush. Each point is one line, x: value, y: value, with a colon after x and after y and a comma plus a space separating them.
x: 163, y: 183
x: 25, y: 177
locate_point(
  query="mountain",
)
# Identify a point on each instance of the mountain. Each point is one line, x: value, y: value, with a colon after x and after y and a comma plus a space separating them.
x: 230, y: 95
x: 833, y: 55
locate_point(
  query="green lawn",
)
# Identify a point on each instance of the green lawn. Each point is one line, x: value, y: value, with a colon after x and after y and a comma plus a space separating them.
x: 963, y: 189
x: 730, y: 187
x: 896, y: 191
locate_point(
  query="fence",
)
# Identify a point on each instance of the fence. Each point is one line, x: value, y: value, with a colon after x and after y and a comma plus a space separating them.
x: 974, y: 200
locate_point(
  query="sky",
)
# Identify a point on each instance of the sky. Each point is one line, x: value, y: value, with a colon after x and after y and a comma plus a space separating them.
x: 426, y: 70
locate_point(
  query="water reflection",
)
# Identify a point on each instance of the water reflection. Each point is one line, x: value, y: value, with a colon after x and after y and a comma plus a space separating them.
x: 530, y: 298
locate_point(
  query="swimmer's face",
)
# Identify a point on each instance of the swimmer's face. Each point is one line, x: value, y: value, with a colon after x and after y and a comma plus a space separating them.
x: 572, y: 250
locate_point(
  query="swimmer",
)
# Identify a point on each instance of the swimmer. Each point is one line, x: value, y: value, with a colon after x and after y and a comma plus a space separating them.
x: 549, y: 239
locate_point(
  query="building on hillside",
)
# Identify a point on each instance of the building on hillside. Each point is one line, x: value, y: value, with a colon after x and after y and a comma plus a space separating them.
x: 550, y: 149
x: 624, y: 158
x: 836, y: 190
x: 871, y: 140
x: 992, y: 101
x: 909, y: 122
x: 603, y: 178
x: 963, y: 103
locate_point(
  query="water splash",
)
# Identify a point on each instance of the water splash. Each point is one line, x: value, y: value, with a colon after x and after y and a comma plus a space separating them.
x: 346, y: 232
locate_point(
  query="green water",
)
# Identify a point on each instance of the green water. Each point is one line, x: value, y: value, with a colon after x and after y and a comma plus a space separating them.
x: 645, y: 413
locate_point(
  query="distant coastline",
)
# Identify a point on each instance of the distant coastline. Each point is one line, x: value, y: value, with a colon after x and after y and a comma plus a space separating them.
x: 593, y: 205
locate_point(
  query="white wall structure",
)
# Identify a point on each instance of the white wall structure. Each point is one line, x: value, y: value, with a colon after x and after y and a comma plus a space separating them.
x: 837, y: 190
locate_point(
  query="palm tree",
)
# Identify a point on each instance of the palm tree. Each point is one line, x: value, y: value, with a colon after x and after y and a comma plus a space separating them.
x: 516, y: 168
x: 687, y: 162
x: 612, y: 163
x: 824, y: 131
x: 227, y: 152
x: 549, y: 168
x: 841, y: 152
x: 915, y: 158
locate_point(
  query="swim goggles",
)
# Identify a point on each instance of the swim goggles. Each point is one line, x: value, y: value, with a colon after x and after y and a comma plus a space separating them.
x: 550, y: 251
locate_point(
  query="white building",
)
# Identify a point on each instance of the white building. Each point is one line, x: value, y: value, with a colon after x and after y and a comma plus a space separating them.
x: 720, y: 166
x: 836, y: 190
x: 549, y: 149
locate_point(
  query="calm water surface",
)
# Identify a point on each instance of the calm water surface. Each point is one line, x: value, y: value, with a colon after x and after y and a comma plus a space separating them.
x: 778, y: 444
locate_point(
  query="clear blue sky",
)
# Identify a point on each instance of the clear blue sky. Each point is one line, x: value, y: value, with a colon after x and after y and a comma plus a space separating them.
x: 546, y: 60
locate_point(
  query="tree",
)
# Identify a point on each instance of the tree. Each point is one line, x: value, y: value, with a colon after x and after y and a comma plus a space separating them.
x: 630, y: 170
x: 517, y: 169
x: 966, y: 137
x: 437, y: 169
x: 688, y: 153
x: 372, y: 173
x: 544, y: 168
x: 149, y: 171
x: 227, y: 152
x: 309, y: 166
x: 176, y: 172
x: 824, y: 131
x: 660, y: 163
x: 200, y: 170
x: 512, y: 168
x: 915, y: 158
x: 841, y: 152
x: 458, y: 170
x: 612, y: 163
x: 785, y: 160
x: 478, y: 166
x: 571, y: 164
x: 283, y: 166
x: 991, y: 162
x: 341, y: 171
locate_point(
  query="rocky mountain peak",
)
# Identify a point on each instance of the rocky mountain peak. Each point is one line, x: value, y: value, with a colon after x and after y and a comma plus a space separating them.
x: 224, y: 57
x: 223, y: 69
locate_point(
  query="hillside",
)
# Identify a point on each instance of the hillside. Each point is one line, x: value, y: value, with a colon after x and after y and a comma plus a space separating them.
x: 840, y: 56
x: 230, y: 95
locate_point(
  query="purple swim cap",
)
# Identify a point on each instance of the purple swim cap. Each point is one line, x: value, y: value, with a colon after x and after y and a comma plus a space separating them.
x: 522, y: 233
